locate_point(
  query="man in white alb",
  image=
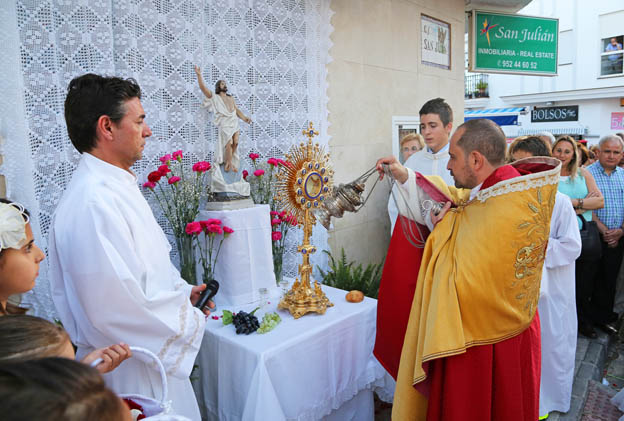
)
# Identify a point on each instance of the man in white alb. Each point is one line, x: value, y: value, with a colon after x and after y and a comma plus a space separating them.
x: 111, y: 275
x: 436, y: 123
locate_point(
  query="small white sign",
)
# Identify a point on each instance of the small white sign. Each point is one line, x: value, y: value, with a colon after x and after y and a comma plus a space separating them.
x: 436, y: 42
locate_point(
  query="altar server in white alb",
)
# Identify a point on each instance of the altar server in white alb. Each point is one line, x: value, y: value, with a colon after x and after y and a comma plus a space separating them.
x: 111, y: 275
x: 557, y: 302
x: 436, y: 123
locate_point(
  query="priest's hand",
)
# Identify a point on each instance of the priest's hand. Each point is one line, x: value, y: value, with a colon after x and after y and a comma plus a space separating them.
x: 111, y: 357
x: 435, y: 218
x: 399, y: 172
x: 195, y: 293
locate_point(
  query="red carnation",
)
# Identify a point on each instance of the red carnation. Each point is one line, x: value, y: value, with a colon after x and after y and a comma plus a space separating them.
x: 254, y: 156
x: 154, y: 176
x: 272, y: 161
x: 245, y: 174
x: 164, y: 169
x: 227, y: 230
x: 201, y: 166
x: 276, y: 235
x: 275, y: 221
x: 215, y: 229
x: 174, y: 179
x: 193, y: 228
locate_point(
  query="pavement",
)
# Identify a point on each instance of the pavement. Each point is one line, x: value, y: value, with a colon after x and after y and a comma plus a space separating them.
x: 596, y: 359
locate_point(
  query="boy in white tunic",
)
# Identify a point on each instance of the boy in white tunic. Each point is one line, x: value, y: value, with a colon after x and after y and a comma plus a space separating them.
x: 111, y: 275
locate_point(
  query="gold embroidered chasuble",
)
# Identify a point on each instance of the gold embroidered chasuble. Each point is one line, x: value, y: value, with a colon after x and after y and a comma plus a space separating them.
x: 480, y: 274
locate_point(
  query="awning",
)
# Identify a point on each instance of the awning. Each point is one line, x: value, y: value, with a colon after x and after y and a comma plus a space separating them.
x: 501, y: 116
x: 577, y: 130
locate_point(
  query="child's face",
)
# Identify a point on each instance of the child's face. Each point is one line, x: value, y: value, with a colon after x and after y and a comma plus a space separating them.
x: 19, y: 268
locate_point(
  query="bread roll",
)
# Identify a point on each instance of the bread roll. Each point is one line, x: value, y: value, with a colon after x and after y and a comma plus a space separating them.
x: 355, y: 296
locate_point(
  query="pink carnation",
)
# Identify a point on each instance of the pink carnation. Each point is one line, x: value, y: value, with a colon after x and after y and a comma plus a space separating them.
x: 275, y: 221
x: 215, y: 229
x: 276, y: 235
x: 254, y: 156
x: 165, y: 158
x: 272, y: 161
x: 149, y: 185
x: 227, y: 230
x: 282, y: 214
x: 259, y: 173
x: 211, y: 221
x: 201, y: 166
x: 174, y: 179
x: 282, y: 162
x: 163, y: 169
x: 177, y: 155
x: 193, y: 228
x: 291, y: 219
x: 245, y: 174
x: 273, y: 213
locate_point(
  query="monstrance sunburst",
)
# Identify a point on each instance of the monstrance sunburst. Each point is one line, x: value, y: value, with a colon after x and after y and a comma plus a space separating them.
x: 302, y: 186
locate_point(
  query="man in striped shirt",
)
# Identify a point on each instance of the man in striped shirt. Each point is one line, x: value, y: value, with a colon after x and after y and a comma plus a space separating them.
x: 610, y: 180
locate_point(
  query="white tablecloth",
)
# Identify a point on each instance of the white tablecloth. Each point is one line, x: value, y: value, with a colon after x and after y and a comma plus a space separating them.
x: 302, y: 370
x: 245, y: 262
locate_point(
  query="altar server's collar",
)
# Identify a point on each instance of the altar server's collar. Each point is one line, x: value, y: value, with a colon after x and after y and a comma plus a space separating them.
x: 109, y: 170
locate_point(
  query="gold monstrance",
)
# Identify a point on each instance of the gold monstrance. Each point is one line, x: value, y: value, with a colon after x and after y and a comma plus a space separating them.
x: 302, y: 186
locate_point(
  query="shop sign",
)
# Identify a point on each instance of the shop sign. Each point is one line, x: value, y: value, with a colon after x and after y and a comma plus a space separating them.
x: 617, y: 121
x: 507, y: 43
x: 547, y: 114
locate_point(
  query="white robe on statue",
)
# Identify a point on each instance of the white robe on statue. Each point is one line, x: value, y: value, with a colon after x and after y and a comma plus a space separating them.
x: 426, y: 163
x: 557, y: 309
x: 227, y: 124
x: 113, y: 281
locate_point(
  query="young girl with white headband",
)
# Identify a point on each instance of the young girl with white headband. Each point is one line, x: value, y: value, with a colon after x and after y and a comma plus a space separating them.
x: 19, y: 266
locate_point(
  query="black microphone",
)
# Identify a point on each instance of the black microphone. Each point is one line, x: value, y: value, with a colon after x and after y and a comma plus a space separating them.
x: 211, y: 290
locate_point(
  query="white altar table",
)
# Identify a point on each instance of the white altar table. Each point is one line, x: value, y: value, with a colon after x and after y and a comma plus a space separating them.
x: 316, y: 367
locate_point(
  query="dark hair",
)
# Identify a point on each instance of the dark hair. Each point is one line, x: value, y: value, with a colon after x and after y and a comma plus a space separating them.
x: 218, y: 87
x: 486, y: 137
x: 583, y: 153
x: 440, y: 107
x: 10, y: 308
x: 52, y: 389
x: 28, y: 337
x: 91, y: 96
x: 534, y: 145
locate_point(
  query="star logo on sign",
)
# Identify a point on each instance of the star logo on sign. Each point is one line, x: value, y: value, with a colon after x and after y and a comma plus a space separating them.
x: 486, y: 30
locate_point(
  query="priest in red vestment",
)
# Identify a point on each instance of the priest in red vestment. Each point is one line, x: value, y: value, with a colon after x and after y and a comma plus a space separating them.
x: 471, y: 349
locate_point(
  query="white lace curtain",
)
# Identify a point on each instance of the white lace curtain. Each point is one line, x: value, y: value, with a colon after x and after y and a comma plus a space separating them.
x: 273, y: 54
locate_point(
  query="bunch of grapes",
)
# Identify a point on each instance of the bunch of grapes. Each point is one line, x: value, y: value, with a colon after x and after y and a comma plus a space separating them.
x: 245, y: 322
x: 269, y: 321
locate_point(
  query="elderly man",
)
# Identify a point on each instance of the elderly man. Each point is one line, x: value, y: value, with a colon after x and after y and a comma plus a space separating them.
x: 610, y: 180
x: 472, y: 346
x: 111, y: 276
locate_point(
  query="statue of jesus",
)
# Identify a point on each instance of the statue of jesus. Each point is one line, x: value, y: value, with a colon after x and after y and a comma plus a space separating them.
x: 226, y: 115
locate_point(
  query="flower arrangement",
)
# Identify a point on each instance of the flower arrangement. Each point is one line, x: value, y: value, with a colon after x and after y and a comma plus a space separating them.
x: 262, y: 192
x: 280, y: 224
x: 263, y: 180
x: 208, y: 256
x: 178, y: 196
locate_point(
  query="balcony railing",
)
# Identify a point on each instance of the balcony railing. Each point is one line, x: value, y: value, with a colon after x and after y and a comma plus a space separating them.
x: 476, y: 86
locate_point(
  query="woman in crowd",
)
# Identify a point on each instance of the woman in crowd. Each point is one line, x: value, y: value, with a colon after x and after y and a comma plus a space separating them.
x: 578, y: 184
x: 19, y: 266
x: 410, y: 144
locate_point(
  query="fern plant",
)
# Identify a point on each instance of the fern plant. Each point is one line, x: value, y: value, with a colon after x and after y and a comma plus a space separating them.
x: 347, y: 276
